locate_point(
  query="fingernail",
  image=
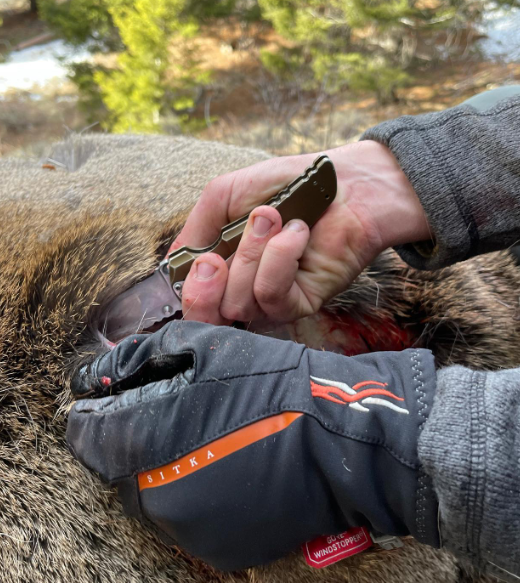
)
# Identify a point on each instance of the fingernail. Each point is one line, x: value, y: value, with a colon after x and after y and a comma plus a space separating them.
x: 261, y: 226
x: 205, y: 270
x: 294, y: 226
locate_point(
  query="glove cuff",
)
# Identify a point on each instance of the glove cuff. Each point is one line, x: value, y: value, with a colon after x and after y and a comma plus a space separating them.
x: 377, y: 406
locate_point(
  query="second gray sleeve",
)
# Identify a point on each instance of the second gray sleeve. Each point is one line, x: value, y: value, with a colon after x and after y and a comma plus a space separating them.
x: 470, y: 447
x: 464, y: 165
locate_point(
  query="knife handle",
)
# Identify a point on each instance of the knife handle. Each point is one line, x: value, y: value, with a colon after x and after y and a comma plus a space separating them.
x: 306, y: 198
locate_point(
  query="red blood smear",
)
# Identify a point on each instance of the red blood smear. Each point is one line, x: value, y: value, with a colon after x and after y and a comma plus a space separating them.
x: 371, y: 334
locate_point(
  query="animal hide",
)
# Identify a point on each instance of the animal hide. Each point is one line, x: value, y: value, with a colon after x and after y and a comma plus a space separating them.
x: 74, y: 237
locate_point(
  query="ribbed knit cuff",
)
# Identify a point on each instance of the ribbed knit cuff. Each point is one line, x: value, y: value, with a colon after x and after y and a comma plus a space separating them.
x: 448, y: 448
x: 464, y: 165
x: 470, y: 448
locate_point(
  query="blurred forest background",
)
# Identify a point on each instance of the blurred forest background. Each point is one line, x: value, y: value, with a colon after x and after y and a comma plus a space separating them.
x: 284, y: 75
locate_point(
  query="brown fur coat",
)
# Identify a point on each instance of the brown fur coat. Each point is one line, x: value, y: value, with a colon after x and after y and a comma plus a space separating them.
x: 74, y: 237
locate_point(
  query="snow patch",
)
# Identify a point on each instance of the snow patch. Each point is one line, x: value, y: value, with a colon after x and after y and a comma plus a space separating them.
x: 36, y: 66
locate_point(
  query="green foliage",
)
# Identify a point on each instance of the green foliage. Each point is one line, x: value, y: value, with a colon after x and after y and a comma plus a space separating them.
x: 82, y: 21
x: 90, y: 100
x: 209, y: 10
x: 157, y: 73
x: 351, y: 44
x: 142, y: 87
x: 284, y: 63
x: 133, y: 95
x: 387, y: 12
x: 359, y: 72
x: 305, y: 21
x: 92, y: 21
x: 135, y: 92
x: 378, y: 77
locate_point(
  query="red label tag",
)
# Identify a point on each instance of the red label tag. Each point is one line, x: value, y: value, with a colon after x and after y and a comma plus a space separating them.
x: 327, y: 550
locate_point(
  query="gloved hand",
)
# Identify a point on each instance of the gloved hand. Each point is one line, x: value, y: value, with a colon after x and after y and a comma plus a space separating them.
x: 240, y: 447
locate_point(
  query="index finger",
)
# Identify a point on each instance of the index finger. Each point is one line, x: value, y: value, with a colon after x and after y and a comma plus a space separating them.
x: 231, y: 196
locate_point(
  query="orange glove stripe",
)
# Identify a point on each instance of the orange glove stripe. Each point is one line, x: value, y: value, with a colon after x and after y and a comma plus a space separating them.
x: 215, y: 451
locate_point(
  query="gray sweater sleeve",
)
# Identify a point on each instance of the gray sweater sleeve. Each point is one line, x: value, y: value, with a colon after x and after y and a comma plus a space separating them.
x: 464, y: 165
x: 470, y: 446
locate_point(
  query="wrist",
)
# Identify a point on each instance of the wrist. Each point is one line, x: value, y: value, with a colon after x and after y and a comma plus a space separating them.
x: 404, y: 219
x: 380, y: 195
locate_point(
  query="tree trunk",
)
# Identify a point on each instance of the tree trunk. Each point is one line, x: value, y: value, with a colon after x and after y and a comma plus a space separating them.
x: 34, y: 6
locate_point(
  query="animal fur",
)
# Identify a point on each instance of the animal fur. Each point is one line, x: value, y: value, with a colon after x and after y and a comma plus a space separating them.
x: 71, y: 240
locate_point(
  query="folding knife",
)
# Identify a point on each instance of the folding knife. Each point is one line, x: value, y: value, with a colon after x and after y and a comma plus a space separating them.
x: 159, y: 296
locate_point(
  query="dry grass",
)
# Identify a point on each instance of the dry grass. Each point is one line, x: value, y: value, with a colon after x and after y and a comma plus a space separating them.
x: 263, y: 115
x: 300, y: 134
x: 29, y: 125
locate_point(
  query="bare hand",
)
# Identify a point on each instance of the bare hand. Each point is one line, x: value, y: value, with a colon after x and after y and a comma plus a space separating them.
x: 285, y: 274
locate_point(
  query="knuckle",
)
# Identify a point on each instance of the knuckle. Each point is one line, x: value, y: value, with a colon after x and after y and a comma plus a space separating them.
x: 216, y: 185
x: 249, y: 254
x: 281, y: 247
x: 266, y: 294
x: 235, y: 312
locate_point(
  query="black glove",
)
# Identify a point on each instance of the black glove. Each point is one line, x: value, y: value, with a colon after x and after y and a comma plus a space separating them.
x: 240, y: 448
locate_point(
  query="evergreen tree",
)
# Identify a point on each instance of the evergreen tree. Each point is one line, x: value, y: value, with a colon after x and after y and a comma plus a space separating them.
x: 82, y: 21
x: 136, y: 92
x: 157, y: 77
x: 360, y: 44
